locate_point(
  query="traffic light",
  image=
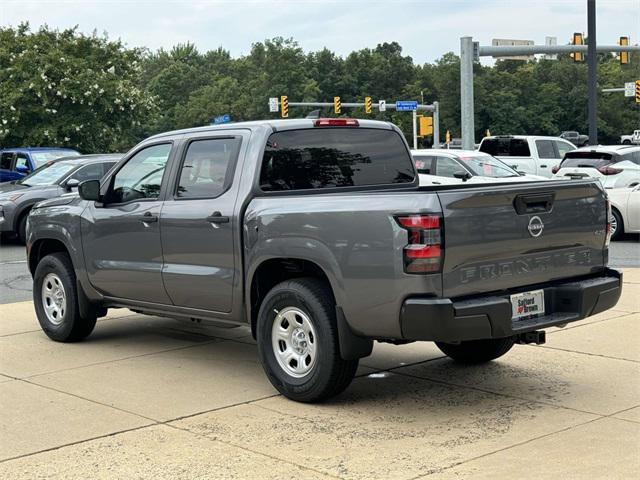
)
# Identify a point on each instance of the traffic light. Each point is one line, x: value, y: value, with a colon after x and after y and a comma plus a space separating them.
x: 368, y: 105
x: 624, y: 56
x: 337, y: 105
x: 487, y: 133
x: 637, y: 91
x: 447, y: 137
x: 284, y: 106
x: 426, y: 126
x: 577, y: 40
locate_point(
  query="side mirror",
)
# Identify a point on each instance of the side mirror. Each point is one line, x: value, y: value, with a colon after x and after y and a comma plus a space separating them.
x: 89, y: 190
x: 23, y: 169
x: 71, y: 184
x: 462, y: 175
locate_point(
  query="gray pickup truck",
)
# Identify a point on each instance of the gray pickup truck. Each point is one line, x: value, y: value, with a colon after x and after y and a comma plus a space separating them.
x: 317, y: 235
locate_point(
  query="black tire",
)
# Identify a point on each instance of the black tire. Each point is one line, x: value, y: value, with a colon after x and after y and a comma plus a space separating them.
x: 329, y: 374
x: 22, y: 228
x: 627, y: 142
x: 71, y: 327
x: 619, y: 225
x: 477, y: 351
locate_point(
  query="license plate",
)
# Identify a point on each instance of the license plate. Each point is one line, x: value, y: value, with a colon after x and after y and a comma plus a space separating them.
x: 527, y: 304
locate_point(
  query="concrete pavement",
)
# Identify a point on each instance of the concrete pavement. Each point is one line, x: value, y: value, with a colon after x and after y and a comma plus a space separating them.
x: 148, y: 397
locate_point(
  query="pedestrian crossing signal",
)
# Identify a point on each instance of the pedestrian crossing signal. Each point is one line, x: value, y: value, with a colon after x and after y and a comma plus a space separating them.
x: 284, y: 106
x: 337, y: 105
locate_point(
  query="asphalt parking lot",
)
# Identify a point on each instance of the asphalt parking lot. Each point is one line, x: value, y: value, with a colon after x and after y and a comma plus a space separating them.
x: 148, y: 397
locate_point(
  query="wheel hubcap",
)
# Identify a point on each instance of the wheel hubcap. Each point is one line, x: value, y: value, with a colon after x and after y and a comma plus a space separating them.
x: 294, y: 340
x: 54, y: 299
x: 614, y: 224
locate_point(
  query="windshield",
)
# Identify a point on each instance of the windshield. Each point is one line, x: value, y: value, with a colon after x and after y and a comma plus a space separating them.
x: 487, y: 166
x: 47, y: 174
x: 40, y: 158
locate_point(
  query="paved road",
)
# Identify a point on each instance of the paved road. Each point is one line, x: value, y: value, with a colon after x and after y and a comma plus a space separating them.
x: 15, y: 281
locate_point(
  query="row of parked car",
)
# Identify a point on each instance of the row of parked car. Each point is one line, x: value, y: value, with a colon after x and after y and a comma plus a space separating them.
x: 30, y: 175
x: 517, y: 158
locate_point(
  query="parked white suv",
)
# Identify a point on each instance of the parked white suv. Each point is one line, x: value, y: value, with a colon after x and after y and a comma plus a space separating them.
x: 616, y: 166
x: 530, y: 154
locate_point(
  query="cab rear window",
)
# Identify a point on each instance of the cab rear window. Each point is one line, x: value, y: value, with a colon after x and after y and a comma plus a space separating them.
x: 322, y: 158
x: 505, y: 147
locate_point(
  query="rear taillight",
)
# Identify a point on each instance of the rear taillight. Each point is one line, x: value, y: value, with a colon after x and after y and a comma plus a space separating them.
x: 609, y: 170
x: 555, y: 169
x: 423, y: 253
x: 609, y: 218
x: 336, y: 122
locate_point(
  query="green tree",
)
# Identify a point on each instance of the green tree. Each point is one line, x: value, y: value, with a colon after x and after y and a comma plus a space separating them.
x: 63, y: 88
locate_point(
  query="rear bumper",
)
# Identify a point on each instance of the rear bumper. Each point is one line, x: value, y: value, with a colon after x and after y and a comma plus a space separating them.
x: 483, y: 317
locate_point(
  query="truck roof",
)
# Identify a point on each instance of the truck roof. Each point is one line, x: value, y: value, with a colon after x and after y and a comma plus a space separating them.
x: 275, y: 124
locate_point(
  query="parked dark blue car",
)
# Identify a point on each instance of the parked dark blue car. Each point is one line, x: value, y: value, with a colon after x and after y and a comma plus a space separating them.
x: 15, y: 163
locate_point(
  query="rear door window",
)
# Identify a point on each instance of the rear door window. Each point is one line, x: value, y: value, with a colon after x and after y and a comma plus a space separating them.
x: 206, y: 171
x: 506, y: 147
x: 424, y: 164
x: 545, y: 149
x: 320, y: 158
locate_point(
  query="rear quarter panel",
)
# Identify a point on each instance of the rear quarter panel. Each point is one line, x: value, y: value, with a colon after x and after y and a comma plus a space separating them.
x: 354, y: 239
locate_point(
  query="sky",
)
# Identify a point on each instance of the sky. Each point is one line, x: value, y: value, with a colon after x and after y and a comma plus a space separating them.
x: 426, y: 29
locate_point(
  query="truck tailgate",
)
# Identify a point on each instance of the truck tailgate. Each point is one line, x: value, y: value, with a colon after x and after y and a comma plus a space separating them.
x: 508, y: 236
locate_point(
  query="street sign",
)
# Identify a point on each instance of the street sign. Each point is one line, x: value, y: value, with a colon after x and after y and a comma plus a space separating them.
x: 226, y: 118
x: 509, y: 42
x: 382, y: 105
x: 630, y: 89
x: 368, y: 105
x: 273, y: 104
x: 284, y: 103
x: 337, y: 105
x: 406, y: 106
x: 637, y: 91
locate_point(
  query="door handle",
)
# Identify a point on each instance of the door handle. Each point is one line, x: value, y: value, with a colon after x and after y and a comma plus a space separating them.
x: 217, y: 217
x: 148, y: 218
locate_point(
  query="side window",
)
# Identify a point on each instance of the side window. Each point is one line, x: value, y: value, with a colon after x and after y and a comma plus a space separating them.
x: 6, y: 159
x: 519, y: 147
x: 636, y: 157
x: 207, y: 168
x: 21, y: 160
x: 88, y: 172
x: 141, y: 176
x: 563, y: 148
x: 545, y: 149
x: 446, y: 167
x: 424, y: 164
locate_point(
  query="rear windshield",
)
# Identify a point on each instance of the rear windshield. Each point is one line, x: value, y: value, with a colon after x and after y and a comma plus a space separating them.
x: 587, y: 159
x: 505, y: 147
x: 334, y: 157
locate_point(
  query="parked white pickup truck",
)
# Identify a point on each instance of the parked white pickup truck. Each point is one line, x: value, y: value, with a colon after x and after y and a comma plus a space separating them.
x: 631, y: 139
x: 529, y: 154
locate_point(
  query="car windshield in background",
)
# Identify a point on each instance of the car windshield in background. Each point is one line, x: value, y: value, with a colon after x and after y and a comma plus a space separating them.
x: 48, y: 174
x: 40, y: 158
x: 586, y: 159
x: 487, y: 166
x: 505, y: 147
x: 334, y: 157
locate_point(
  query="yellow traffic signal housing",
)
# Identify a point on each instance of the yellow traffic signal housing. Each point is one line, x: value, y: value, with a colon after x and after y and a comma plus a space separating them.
x: 337, y: 105
x: 426, y: 126
x: 637, y: 91
x: 624, y: 56
x: 447, y: 137
x: 368, y: 105
x: 284, y: 106
x: 577, y: 40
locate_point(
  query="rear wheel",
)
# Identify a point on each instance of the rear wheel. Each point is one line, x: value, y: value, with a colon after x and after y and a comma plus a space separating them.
x: 617, y: 225
x: 477, y: 351
x: 627, y: 142
x: 298, y: 341
x: 56, y: 301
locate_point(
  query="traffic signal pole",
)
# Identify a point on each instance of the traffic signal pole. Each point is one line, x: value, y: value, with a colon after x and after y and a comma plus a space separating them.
x: 592, y: 74
x: 467, y: 55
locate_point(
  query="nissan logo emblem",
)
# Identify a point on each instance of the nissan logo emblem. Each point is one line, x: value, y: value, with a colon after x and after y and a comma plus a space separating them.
x: 535, y: 226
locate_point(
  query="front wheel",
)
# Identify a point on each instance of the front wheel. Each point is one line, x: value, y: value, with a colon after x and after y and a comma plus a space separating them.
x: 56, y: 302
x: 298, y: 341
x: 477, y: 351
